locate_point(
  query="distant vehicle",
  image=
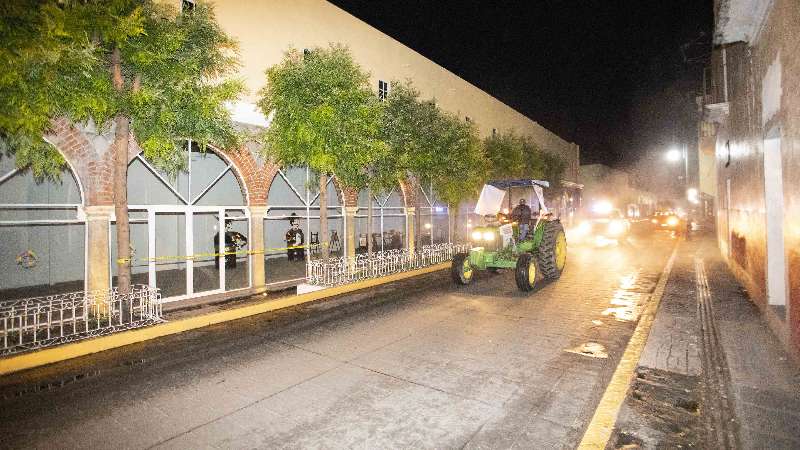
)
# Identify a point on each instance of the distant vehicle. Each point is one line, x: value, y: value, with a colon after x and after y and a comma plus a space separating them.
x: 666, y: 220
x: 604, y: 224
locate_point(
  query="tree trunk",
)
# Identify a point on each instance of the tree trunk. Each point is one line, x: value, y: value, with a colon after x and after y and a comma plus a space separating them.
x: 418, y: 222
x: 452, y: 220
x: 323, y: 215
x: 369, y: 221
x: 120, y: 150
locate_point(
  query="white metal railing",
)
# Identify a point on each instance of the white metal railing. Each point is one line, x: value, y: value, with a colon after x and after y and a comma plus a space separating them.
x: 33, y: 323
x: 343, y: 270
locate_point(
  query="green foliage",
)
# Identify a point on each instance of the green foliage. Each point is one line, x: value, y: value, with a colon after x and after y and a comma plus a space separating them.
x: 324, y: 115
x: 553, y: 170
x: 429, y: 145
x: 458, y: 168
x: 411, y: 130
x: 506, y: 154
x: 55, y: 59
x: 514, y: 156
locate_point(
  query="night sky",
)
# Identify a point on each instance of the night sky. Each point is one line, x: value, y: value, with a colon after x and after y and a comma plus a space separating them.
x: 580, y: 68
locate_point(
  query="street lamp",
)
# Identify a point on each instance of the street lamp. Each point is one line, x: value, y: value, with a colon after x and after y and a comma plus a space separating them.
x: 675, y: 155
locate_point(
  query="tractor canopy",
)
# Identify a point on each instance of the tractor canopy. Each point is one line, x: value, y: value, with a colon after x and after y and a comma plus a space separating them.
x: 526, y: 182
x: 490, y: 201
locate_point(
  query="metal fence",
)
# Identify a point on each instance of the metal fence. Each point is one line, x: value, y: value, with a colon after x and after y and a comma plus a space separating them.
x: 343, y: 270
x: 33, y: 323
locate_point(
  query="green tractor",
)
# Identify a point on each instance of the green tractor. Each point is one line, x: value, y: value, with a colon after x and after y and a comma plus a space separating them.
x: 540, y: 254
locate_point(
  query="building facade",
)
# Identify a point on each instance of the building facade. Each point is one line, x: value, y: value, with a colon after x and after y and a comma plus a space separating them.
x: 60, y: 236
x: 753, y: 114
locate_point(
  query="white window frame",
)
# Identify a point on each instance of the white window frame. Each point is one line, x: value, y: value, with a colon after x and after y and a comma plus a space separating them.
x: 383, y: 90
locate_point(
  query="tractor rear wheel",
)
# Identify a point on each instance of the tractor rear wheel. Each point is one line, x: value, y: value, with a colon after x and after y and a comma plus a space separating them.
x: 461, y: 270
x: 552, y: 251
x: 527, y: 272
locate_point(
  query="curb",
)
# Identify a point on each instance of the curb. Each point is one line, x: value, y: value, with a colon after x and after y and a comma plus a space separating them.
x: 601, y: 427
x: 85, y: 347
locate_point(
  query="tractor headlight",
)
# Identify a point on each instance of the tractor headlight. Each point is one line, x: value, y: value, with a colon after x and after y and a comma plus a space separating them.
x: 616, y: 227
x: 488, y: 236
x: 477, y: 235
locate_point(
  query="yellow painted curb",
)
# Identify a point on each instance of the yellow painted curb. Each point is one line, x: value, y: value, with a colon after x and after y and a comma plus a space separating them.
x: 598, y: 433
x: 85, y: 347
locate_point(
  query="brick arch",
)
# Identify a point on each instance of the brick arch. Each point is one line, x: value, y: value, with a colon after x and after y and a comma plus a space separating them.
x: 339, y: 191
x: 254, y: 177
x: 409, y: 192
x: 93, y: 169
x: 350, y: 196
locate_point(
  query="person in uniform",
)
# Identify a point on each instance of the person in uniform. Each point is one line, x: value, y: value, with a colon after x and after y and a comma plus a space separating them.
x: 233, y: 242
x: 295, y: 238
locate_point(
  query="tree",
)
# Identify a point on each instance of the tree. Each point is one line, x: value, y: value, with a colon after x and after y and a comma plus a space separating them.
x: 514, y: 156
x: 409, y: 129
x: 324, y: 115
x: 135, y: 68
x: 554, y: 167
x: 506, y: 154
x: 459, y: 166
x: 430, y: 147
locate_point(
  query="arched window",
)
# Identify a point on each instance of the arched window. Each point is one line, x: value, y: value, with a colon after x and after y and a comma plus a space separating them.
x: 388, y: 221
x: 293, y: 219
x: 183, y: 226
x: 42, y: 231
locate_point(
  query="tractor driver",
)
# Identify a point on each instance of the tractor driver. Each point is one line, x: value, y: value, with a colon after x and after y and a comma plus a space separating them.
x: 522, y: 215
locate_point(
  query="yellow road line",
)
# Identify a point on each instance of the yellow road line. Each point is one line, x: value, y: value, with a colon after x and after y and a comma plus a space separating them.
x: 85, y: 347
x: 598, y: 433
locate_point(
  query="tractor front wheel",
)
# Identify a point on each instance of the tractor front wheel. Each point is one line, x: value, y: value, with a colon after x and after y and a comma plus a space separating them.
x: 461, y: 270
x: 527, y: 272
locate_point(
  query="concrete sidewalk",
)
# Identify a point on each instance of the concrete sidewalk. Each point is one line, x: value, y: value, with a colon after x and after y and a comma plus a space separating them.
x: 712, y: 374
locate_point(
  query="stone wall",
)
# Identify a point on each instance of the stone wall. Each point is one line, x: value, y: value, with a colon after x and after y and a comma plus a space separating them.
x: 764, y: 100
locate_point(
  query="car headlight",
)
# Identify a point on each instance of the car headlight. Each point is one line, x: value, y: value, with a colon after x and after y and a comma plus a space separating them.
x: 477, y: 235
x: 584, y: 227
x: 654, y: 221
x: 488, y: 236
x: 616, y: 227
x: 672, y: 221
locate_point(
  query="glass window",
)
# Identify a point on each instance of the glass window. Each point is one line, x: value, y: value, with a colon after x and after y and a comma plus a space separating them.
x: 383, y: 89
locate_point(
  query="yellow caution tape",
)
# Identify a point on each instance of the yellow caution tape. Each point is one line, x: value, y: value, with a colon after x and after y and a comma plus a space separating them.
x: 215, y: 255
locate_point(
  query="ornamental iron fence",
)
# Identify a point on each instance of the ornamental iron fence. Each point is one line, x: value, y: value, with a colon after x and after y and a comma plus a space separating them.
x: 348, y: 269
x: 38, y: 322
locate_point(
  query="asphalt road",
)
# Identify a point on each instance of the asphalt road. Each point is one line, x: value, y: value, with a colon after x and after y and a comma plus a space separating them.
x: 416, y: 364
